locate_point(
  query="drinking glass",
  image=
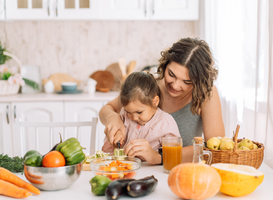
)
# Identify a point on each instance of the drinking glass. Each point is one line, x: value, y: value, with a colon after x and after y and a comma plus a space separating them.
x: 172, y: 152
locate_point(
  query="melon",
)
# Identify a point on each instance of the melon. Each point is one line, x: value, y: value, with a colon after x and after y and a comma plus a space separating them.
x: 238, y: 180
x: 194, y: 181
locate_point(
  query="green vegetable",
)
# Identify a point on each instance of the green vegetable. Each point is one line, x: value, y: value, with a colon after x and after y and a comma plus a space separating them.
x: 33, y: 158
x: 13, y: 164
x: 119, y: 152
x: 72, y: 151
x: 99, y: 184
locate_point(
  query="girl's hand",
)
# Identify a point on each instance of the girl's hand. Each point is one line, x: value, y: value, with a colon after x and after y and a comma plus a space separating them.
x: 142, y: 149
x: 114, y: 125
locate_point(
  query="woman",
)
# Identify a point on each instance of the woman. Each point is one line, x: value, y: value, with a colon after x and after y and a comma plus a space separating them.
x: 186, y: 75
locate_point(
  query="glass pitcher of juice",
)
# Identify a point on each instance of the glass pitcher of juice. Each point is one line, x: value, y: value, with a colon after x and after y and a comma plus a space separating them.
x: 198, y: 152
x: 172, y: 152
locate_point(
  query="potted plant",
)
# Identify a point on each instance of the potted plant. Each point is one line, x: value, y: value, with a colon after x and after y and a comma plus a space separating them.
x: 10, y: 81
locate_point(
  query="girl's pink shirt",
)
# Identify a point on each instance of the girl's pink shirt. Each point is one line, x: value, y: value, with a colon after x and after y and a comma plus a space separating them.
x: 160, y: 125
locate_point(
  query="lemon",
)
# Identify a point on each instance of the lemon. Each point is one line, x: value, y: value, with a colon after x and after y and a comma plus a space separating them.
x: 238, y: 180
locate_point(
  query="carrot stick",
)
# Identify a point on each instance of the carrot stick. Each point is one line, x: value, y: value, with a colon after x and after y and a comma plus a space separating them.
x: 31, y: 179
x: 8, y: 176
x: 8, y: 189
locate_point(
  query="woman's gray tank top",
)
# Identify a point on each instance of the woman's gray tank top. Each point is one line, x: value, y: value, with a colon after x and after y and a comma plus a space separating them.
x: 189, y: 125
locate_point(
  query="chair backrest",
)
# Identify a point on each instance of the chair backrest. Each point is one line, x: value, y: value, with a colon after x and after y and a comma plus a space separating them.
x: 31, y: 134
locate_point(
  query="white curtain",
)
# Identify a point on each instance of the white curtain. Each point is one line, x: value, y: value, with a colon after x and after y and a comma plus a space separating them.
x: 240, y: 33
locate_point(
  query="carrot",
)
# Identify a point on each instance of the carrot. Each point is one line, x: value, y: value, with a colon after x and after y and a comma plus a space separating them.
x: 8, y: 176
x: 30, y: 178
x: 8, y: 189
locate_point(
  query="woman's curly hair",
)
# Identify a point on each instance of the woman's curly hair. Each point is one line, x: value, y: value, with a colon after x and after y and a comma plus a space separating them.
x: 194, y: 54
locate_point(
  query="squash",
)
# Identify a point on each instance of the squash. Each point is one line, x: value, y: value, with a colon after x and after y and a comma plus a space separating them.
x: 194, y: 181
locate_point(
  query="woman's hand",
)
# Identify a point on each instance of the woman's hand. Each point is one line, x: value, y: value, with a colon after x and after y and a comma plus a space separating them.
x: 142, y: 149
x: 114, y: 125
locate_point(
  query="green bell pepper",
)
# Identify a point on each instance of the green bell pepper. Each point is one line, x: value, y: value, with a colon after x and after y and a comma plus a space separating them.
x: 72, y: 151
x: 33, y: 158
x: 99, y: 184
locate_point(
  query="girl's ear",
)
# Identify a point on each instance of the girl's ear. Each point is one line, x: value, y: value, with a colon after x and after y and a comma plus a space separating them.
x: 156, y: 101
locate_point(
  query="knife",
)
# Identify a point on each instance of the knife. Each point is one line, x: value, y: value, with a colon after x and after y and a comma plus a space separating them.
x: 118, y: 144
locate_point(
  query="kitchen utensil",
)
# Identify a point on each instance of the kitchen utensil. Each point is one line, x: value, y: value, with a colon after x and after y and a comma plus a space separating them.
x: 53, y: 178
x: 105, y: 80
x: 118, y: 144
x: 49, y: 87
x: 91, y: 86
x: 131, y: 67
x: 122, y: 65
x: 97, y: 165
x: 116, y: 71
x: 69, y: 86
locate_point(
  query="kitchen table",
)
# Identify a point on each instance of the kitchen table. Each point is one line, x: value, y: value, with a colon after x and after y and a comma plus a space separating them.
x: 81, y: 189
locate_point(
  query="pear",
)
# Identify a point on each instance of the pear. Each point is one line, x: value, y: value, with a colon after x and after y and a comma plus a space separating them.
x: 247, y: 143
x: 255, y: 146
x: 213, y: 143
x: 227, y: 145
x: 243, y: 148
x: 238, y: 145
x: 224, y: 138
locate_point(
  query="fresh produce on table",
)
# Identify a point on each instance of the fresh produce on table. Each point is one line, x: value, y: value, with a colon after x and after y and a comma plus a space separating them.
x: 98, y: 154
x: 119, y: 152
x: 194, y: 181
x: 113, y: 169
x: 99, y: 184
x: 11, y: 190
x: 225, y: 143
x: 131, y: 187
x: 117, y: 188
x: 7, y: 176
x: 53, y: 159
x: 13, y: 164
x: 33, y: 158
x: 238, y: 180
x: 142, y: 187
x: 72, y: 151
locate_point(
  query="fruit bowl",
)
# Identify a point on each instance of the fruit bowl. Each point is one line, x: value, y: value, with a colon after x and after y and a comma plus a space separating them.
x: 116, y: 167
x: 52, y: 178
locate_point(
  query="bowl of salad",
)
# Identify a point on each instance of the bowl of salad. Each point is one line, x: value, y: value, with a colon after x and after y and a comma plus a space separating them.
x: 116, y: 167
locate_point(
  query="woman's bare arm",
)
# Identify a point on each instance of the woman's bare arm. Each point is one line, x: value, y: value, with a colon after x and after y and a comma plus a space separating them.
x: 213, y: 124
x: 109, y: 117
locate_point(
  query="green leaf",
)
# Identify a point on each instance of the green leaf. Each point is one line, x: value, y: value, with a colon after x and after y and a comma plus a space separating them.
x: 31, y: 83
x: 3, y: 58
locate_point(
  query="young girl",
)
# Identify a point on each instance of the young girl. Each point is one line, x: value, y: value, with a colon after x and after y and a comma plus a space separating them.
x: 143, y: 120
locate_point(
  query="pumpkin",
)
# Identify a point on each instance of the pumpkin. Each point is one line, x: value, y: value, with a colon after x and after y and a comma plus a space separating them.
x: 194, y: 181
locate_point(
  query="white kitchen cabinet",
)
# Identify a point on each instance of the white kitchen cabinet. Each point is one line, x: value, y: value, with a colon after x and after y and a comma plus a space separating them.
x: 84, y: 111
x: 29, y: 9
x: 52, y: 9
x: 124, y: 9
x: 175, y: 10
x: 77, y: 9
x: 6, y: 122
x: 150, y: 9
x: 2, y: 9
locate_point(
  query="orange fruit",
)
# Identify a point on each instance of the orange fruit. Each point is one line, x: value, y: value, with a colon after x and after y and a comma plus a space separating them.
x: 194, y: 181
x: 53, y: 159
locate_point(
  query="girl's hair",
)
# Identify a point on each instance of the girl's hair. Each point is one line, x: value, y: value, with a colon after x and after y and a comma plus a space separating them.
x: 194, y: 54
x: 139, y: 86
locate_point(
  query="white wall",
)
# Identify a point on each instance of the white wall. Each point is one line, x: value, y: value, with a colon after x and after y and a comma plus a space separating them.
x: 81, y: 47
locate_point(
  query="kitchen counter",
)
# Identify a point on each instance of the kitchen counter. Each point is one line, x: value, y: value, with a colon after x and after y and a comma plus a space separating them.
x: 81, y: 189
x: 36, y: 97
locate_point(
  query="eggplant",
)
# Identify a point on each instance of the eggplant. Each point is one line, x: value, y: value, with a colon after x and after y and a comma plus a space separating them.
x: 55, y: 146
x: 142, y: 187
x: 117, y: 188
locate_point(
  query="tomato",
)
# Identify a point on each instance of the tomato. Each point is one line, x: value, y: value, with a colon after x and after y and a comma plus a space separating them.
x: 53, y: 159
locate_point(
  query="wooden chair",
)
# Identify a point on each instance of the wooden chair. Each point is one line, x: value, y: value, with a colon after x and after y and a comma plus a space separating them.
x: 42, y: 136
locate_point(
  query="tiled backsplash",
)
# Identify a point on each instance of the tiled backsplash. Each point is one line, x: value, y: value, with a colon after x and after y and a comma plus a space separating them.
x: 80, y: 48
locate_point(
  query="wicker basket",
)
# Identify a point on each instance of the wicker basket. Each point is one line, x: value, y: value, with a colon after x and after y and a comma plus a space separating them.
x: 252, y: 157
x: 8, y: 89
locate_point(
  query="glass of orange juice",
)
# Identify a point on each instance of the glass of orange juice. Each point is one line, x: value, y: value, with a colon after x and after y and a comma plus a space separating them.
x: 171, y: 152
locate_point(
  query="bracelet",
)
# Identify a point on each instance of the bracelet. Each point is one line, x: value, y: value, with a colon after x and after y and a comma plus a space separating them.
x: 160, y: 152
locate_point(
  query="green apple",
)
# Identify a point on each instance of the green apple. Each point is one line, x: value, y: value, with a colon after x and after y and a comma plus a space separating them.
x: 243, y: 148
x: 213, y: 143
x: 247, y: 143
x: 227, y: 145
